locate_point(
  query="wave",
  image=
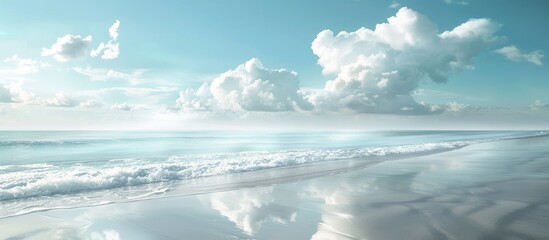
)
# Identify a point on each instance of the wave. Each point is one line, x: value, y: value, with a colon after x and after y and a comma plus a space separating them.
x: 42, y: 179
x: 19, y: 182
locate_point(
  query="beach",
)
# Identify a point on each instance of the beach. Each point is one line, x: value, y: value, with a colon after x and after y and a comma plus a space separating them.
x: 492, y: 190
x: 326, y: 120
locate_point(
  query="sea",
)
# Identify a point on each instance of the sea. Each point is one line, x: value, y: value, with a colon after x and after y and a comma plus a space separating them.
x: 45, y: 170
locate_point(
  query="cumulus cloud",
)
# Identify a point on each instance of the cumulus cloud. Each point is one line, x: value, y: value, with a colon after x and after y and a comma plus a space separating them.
x: 111, y: 49
x: 68, y: 47
x: 249, y: 87
x: 378, y: 70
x: 515, y: 54
x: 22, y: 66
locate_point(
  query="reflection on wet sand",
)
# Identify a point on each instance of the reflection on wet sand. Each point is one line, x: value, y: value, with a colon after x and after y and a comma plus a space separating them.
x: 248, y: 209
x: 479, y: 194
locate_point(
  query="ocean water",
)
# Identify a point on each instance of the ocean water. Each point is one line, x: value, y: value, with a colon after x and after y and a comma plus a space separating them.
x: 50, y: 170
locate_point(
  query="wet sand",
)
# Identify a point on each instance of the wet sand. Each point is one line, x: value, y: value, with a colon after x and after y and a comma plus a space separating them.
x: 496, y: 190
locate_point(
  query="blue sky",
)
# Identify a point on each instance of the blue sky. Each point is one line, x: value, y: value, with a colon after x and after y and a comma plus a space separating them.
x: 225, y: 64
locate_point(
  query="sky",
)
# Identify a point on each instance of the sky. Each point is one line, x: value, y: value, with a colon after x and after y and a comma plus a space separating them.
x: 247, y: 64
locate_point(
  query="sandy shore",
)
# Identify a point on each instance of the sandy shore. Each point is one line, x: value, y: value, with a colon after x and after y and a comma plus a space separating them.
x: 496, y: 190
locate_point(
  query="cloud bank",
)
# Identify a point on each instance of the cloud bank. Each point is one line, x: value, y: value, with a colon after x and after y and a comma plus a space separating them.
x: 15, y: 93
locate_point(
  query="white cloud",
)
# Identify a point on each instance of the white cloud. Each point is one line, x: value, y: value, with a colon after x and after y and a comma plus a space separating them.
x: 456, y: 107
x: 111, y: 49
x: 128, y: 107
x: 539, y: 105
x: 71, y: 47
x: 95, y: 74
x: 394, y: 5
x: 378, y: 70
x: 452, y: 107
x: 140, y: 92
x: 128, y: 98
x: 91, y: 103
x: 61, y: 99
x: 18, y: 94
x: 199, y: 100
x: 121, y: 106
x: 515, y: 54
x: 102, y: 74
x: 22, y: 66
x: 249, y: 87
x: 113, y: 30
x: 68, y: 47
x: 456, y: 2
x: 15, y: 93
x: 422, y: 92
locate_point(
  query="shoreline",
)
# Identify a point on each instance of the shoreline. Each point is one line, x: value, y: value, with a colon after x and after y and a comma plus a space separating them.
x: 494, y: 189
